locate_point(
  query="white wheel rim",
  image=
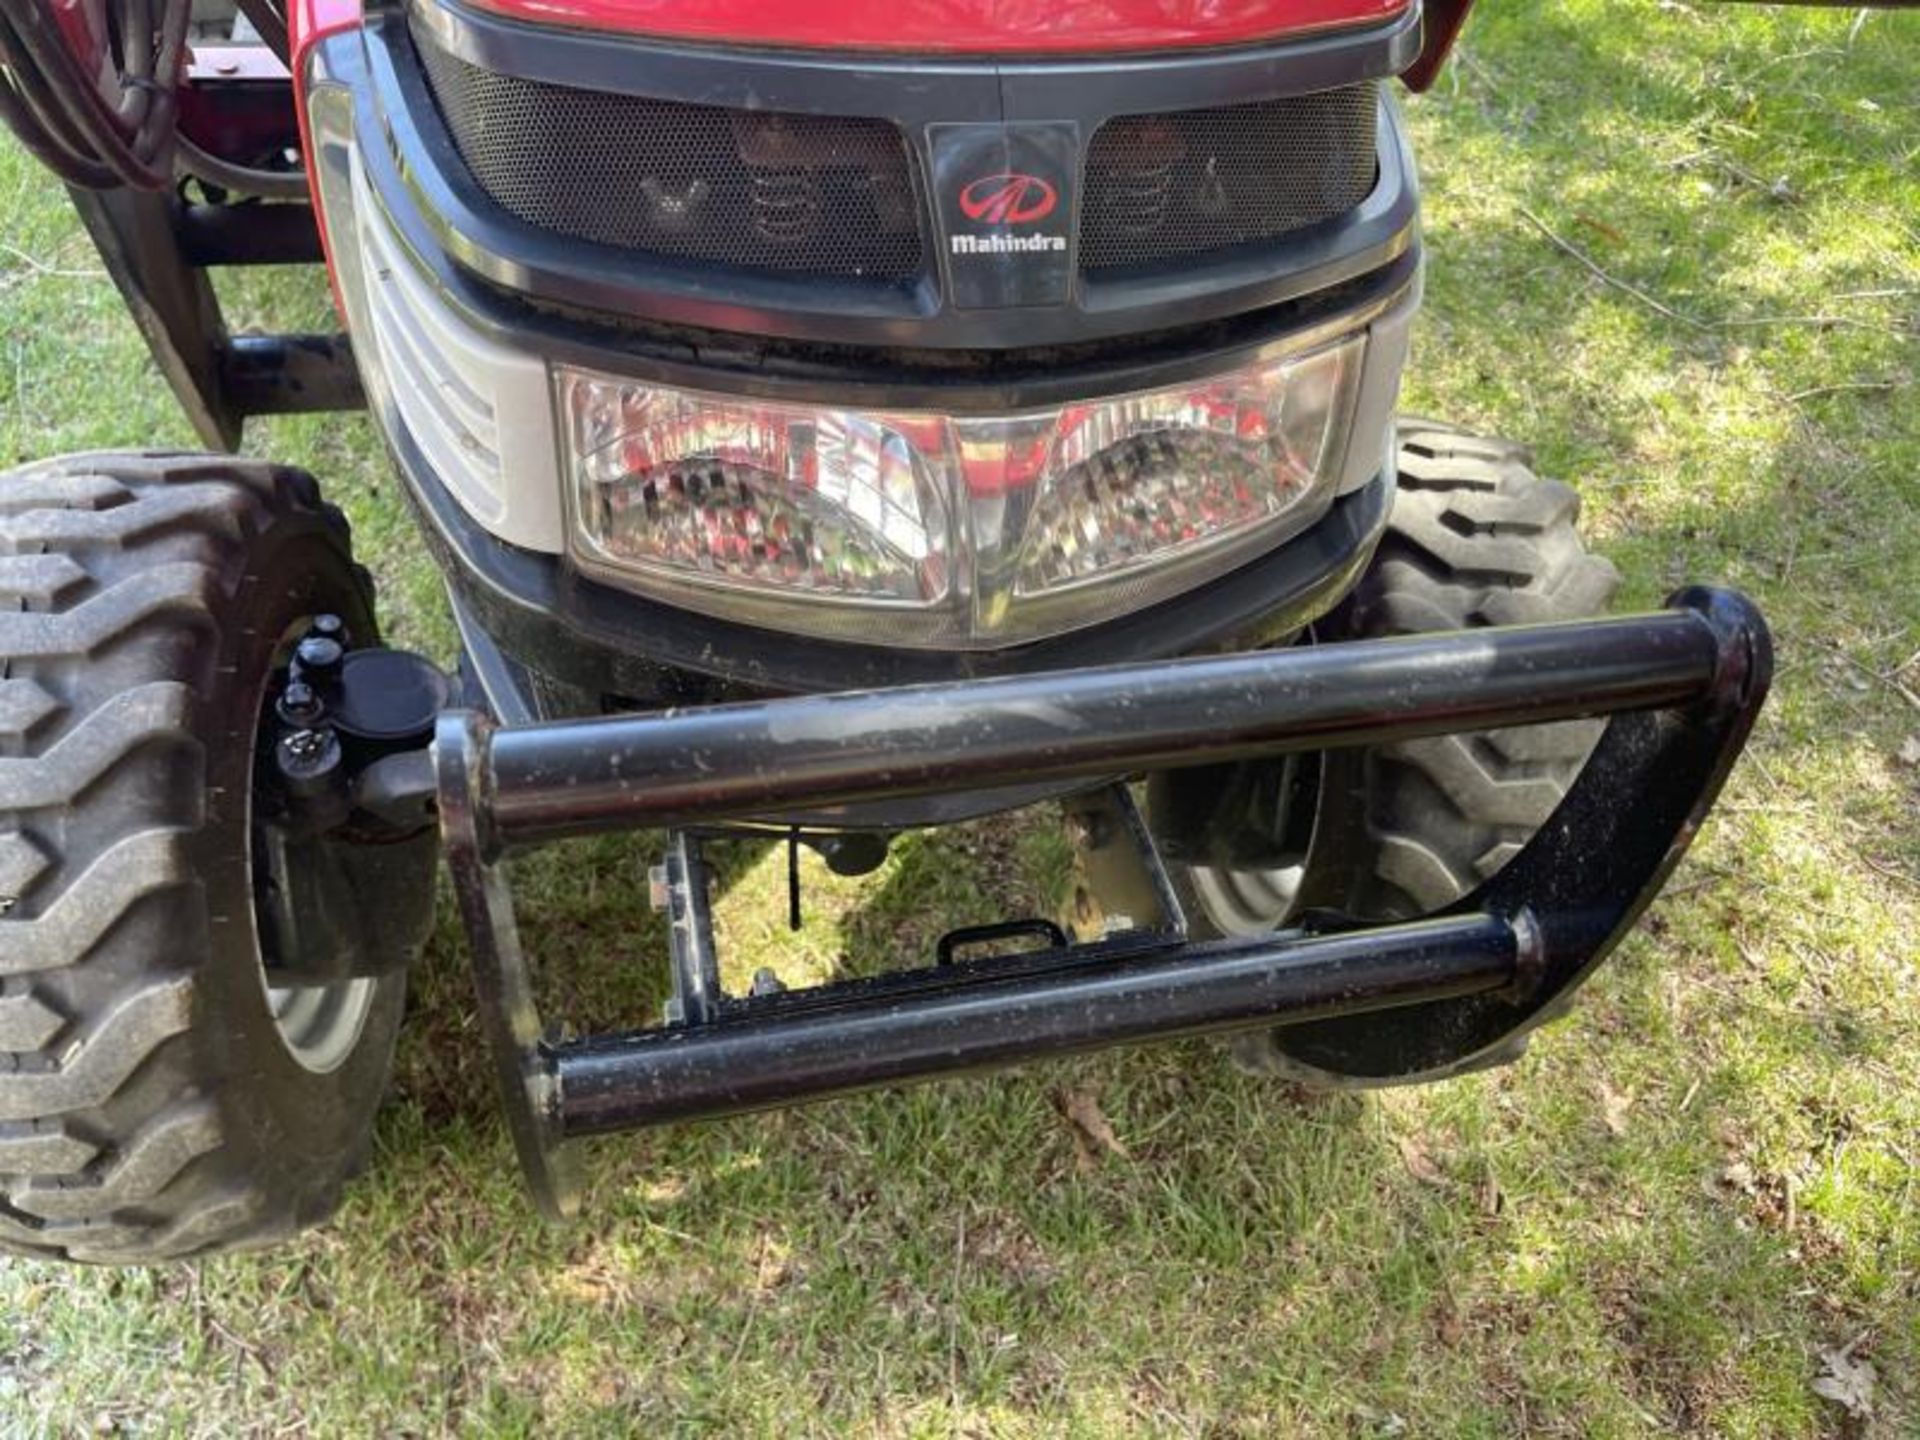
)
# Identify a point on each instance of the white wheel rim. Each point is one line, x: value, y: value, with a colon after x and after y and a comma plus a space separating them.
x: 320, y: 1024
x: 1247, y: 902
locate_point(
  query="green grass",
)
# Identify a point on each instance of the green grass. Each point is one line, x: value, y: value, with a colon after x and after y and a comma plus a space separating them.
x: 1488, y: 1257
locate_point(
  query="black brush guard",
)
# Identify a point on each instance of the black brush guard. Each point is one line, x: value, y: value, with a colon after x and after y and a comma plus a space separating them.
x: 1682, y: 687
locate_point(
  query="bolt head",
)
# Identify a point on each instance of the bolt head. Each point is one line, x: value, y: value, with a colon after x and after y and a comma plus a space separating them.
x: 320, y: 654
x: 305, y: 744
x: 299, y: 703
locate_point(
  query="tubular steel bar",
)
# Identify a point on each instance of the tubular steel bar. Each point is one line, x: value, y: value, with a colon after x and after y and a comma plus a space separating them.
x: 656, y: 1076
x: 544, y: 782
x: 1411, y: 1000
x: 290, y: 374
x: 156, y: 249
x: 278, y: 234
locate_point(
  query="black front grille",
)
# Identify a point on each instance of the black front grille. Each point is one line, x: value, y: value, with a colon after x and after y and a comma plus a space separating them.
x: 834, y: 196
x: 758, y: 190
x: 1165, y: 187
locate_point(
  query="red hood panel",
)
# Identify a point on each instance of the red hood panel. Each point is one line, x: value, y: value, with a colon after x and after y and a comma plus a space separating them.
x: 959, y: 27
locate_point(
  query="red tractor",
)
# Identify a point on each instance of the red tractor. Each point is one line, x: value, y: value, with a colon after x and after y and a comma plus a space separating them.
x: 831, y: 420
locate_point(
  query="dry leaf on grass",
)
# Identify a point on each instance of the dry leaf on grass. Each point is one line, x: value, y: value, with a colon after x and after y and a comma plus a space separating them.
x: 1385, y: 1423
x: 1613, y: 1108
x: 1739, y: 1176
x: 1846, y: 1381
x: 1493, y: 1200
x: 1092, y: 1132
x: 1420, y: 1163
x: 773, y: 1264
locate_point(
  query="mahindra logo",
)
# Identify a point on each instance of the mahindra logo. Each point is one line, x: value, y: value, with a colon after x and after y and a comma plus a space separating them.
x: 1008, y: 199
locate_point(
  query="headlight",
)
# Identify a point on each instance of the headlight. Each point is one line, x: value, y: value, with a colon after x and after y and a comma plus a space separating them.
x: 816, y: 503
x: 921, y: 529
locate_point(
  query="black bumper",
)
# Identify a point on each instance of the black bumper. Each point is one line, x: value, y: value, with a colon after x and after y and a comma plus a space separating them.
x: 1683, y: 688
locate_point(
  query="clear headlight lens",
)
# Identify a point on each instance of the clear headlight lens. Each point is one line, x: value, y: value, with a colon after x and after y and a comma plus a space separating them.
x: 1134, y: 481
x: 917, y: 529
x: 824, y: 503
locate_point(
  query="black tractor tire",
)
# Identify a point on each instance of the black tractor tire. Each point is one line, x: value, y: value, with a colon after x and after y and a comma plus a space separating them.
x: 149, y: 1107
x: 1475, y: 538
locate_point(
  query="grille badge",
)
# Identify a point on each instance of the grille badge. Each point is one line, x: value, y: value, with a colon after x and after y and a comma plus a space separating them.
x: 1005, y: 194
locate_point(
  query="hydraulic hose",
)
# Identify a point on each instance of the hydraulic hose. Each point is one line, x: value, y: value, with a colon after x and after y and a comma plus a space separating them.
x: 101, y: 117
x: 240, y: 179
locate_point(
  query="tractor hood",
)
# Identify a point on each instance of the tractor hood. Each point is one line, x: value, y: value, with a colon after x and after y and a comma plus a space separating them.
x: 961, y: 27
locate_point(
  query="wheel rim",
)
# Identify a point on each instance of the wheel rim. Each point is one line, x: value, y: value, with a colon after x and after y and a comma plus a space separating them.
x: 319, y: 1024
x: 1246, y: 902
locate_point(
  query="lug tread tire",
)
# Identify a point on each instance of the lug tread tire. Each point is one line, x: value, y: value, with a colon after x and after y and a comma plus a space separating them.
x: 1476, y: 538
x: 120, y: 1137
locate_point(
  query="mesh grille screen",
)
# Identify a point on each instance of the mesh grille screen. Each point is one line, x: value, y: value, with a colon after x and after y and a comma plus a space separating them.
x: 1159, y: 187
x: 819, y: 195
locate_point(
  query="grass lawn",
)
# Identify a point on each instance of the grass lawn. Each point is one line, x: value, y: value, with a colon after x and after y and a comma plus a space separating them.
x: 1681, y: 1208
